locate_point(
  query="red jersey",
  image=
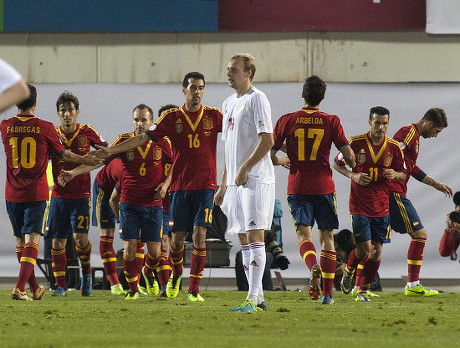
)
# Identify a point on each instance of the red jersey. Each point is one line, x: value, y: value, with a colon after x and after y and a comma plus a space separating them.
x: 309, y: 134
x: 109, y: 175
x: 143, y: 170
x: 194, y: 137
x: 409, y: 140
x: 78, y: 142
x: 372, y: 200
x: 28, y: 143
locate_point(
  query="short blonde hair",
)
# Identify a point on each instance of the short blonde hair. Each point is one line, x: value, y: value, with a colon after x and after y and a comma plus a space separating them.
x: 248, y: 61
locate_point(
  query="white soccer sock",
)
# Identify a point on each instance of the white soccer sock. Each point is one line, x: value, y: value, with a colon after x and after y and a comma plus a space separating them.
x: 245, y: 257
x: 256, y: 270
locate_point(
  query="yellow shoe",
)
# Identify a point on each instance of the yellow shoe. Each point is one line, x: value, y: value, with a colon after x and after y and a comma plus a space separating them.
x: 117, y: 289
x: 173, y: 286
x: 38, y: 294
x: 419, y: 290
x: 132, y: 295
x: 195, y: 297
x: 20, y: 295
x: 151, y: 283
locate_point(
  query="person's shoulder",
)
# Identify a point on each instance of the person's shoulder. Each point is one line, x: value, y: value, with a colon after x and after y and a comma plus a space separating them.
x: 211, y: 109
x: 359, y: 137
x: 393, y: 142
x: 88, y: 128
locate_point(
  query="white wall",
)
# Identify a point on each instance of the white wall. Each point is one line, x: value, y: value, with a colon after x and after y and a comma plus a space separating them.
x: 108, y: 108
x: 392, y: 56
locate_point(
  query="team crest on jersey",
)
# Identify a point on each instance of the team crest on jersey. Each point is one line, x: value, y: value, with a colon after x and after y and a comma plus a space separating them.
x: 82, y: 140
x: 179, y: 127
x: 207, y: 123
x: 361, y: 158
x: 387, y: 160
x: 261, y: 124
x: 130, y: 155
x: 241, y: 107
x: 157, y: 154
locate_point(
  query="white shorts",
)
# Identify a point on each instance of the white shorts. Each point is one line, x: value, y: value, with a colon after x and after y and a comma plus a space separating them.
x: 249, y: 207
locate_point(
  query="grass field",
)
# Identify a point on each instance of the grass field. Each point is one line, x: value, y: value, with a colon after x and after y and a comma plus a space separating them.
x: 292, y: 320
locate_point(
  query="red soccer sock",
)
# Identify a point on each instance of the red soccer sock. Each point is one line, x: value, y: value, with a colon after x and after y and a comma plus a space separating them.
x: 150, y: 265
x: 28, y: 261
x: 109, y: 259
x: 85, y: 258
x: 140, y: 257
x: 177, y: 260
x: 197, y: 268
x: 328, y: 264
x: 33, y: 284
x: 370, y: 271
x: 414, y: 259
x: 130, y: 268
x: 308, y: 253
x: 163, y: 269
x: 59, y: 265
x: 360, y: 279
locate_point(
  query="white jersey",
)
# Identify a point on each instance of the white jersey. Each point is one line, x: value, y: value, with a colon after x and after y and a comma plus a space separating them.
x: 244, y: 119
x: 8, y: 76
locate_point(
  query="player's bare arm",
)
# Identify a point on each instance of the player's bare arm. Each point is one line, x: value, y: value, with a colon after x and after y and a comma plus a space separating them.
x: 114, y: 202
x: 265, y: 144
x: 394, y: 175
x: 67, y: 175
x: 279, y: 161
x: 89, y: 159
x: 438, y: 185
x: 219, y: 196
x: 138, y: 140
x: 348, y: 155
x: 362, y: 179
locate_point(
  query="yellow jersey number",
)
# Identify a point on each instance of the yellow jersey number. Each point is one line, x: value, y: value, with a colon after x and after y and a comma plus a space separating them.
x: 193, y: 141
x: 313, y: 133
x: 24, y: 152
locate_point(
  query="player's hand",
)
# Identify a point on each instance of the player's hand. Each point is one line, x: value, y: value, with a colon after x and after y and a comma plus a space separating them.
x: 219, y: 196
x: 443, y: 188
x: 103, y: 151
x: 241, y: 177
x: 91, y: 159
x: 64, y: 177
x: 282, y: 161
x: 160, y: 191
x: 362, y: 179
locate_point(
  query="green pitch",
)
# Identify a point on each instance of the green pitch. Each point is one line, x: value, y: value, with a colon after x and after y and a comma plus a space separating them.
x: 292, y: 320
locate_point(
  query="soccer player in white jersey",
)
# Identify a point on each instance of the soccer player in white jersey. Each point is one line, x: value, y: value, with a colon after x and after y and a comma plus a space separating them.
x: 13, y: 89
x: 247, y: 192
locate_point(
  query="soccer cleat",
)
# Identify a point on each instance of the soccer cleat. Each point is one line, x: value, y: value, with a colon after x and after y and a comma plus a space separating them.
x: 132, y: 295
x: 362, y: 296
x: 354, y: 292
x: 142, y: 291
x: 19, y: 295
x: 151, y: 284
x: 59, y: 292
x: 117, y: 289
x: 193, y: 296
x: 419, y: 290
x: 86, y: 284
x: 315, y: 281
x: 326, y: 299
x: 172, y: 288
x: 38, y: 294
x: 263, y: 306
x: 347, y: 282
x: 247, y: 306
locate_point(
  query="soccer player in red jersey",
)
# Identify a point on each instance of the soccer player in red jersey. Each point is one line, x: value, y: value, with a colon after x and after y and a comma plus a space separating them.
x: 379, y: 160
x: 69, y: 205
x: 193, y: 130
x: 28, y: 143
x: 143, y: 186
x: 105, y: 219
x: 309, y: 134
x: 404, y: 217
x: 13, y: 89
